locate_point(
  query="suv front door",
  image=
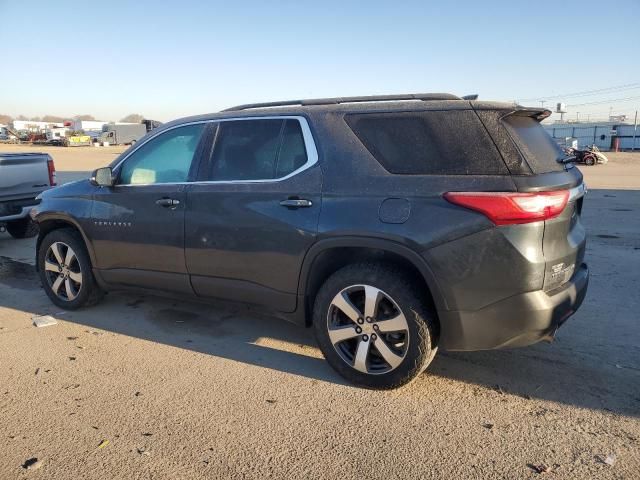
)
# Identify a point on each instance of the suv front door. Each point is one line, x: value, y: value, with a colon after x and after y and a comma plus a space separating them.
x: 251, y: 220
x: 138, y: 224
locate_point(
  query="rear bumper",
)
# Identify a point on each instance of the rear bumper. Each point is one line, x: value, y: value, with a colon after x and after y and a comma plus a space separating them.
x: 16, y: 209
x: 516, y: 321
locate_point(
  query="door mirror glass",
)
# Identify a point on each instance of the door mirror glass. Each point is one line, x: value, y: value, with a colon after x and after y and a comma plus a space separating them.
x: 102, y: 177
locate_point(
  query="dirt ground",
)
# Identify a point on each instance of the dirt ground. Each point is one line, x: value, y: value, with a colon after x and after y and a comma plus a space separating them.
x: 144, y: 387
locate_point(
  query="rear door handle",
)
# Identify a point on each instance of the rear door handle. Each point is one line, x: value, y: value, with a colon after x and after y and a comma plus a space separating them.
x: 296, y: 203
x: 167, y: 202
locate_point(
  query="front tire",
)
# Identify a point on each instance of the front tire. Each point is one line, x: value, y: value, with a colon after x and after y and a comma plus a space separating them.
x: 373, y: 326
x: 22, y: 228
x: 65, y: 270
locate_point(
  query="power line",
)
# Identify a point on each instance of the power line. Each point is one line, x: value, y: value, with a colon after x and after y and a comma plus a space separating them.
x: 585, y: 93
x: 601, y: 102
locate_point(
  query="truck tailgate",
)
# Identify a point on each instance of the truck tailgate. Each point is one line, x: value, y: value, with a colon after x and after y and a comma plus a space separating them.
x: 23, y: 175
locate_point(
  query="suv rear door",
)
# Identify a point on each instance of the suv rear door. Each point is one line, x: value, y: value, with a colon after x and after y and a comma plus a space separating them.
x: 254, y: 213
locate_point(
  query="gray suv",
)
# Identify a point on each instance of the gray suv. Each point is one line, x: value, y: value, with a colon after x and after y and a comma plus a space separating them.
x: 391, y: 225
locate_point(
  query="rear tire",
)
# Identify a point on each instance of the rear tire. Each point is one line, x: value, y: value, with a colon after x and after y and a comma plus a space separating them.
x: 65, y: 271
x: 22, y: 228
x: 374, y: 326
x: 590, y: 160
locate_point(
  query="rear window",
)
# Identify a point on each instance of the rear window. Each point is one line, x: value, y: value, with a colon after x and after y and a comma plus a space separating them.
x: 535, y: 144
x: 428, y: 143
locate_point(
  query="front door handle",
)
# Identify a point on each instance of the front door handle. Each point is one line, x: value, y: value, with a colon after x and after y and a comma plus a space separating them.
x: 296, y: 203
x: 167, y: 202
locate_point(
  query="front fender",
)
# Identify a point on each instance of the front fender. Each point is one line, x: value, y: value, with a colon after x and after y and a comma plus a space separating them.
x: 49, y: 221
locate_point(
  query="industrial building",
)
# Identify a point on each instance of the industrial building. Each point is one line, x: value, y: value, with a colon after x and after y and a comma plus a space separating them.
x: 34, y: 126
x: 604, y: 135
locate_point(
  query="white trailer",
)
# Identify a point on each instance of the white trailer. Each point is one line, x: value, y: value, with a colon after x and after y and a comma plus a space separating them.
x: 33, y: 126
x: 88, y: 125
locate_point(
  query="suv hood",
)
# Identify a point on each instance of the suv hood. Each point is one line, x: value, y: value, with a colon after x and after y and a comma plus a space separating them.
x: 76, y: 187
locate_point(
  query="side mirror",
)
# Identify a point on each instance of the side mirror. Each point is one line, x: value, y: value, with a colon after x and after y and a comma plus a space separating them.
x: 102, y: 177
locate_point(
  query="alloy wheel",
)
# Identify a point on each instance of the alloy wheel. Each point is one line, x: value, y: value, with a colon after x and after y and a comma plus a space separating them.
x: 368, y: 329
x: 63, y: 271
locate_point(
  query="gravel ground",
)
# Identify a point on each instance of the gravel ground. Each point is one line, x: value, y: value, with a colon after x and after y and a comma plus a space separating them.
x: 144, y: 387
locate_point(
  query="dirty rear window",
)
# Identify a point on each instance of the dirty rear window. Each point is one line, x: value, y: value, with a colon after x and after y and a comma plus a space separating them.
x: 535, y: 144
x: 428, y: 143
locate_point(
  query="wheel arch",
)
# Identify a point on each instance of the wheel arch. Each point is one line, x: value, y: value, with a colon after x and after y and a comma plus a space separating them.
x: 49, y: 223
x: 328, y: 255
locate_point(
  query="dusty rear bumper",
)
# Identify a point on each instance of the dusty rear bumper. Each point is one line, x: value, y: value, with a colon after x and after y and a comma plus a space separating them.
x: 516, y: 321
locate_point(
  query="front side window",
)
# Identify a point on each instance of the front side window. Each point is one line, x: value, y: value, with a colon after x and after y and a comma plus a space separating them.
x: 262, y: 149
x: 164, y: 159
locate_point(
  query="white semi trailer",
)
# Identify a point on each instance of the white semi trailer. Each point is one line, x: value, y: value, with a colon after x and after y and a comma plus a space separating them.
x: 122, y: 134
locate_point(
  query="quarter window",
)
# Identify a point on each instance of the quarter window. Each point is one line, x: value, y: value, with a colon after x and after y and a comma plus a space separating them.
x: 428, y: 143
x: 164, y: 159
x: 257, y: 149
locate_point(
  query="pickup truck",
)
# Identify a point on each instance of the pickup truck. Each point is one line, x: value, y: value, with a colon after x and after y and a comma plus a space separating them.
x: 23, y: 176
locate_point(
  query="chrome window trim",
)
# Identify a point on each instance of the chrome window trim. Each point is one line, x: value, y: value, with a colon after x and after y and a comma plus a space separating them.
x: 307, y: 136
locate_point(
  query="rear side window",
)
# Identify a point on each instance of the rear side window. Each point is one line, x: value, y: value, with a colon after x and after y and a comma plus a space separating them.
x: 257, y: 149
x: 428, y: 143
x: 535, y: 144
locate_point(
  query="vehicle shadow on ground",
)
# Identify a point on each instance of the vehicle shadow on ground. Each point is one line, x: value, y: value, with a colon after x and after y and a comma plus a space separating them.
x: 593, y: 365
x: 220, y: 329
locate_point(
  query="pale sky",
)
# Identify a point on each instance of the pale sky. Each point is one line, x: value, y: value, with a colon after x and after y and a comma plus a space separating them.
x: 171, y: 59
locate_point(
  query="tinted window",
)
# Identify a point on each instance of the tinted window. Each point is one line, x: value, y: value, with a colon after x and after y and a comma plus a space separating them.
x: 257, y: 149
x: 292, y: 154
x: 538, y: 148
x: 429, y: 143
x: 164, y: 159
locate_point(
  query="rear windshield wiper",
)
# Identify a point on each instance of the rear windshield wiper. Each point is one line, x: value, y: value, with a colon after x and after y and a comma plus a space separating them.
x: 567, y: 159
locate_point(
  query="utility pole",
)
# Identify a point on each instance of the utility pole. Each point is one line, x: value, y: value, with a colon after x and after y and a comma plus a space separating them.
x: 635, y: 131
x: 542, y: 102
x: 577, y: 117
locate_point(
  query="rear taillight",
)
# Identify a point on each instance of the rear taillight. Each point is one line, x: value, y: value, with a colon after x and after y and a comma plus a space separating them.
x: 52, y: 173
x: 506, y: 208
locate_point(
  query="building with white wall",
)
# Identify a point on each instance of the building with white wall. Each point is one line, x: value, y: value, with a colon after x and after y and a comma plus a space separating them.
x: 34, y: 126
x: 600, y: 134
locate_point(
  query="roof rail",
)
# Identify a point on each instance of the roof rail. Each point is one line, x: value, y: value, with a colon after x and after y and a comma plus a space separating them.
x: 337, y: 100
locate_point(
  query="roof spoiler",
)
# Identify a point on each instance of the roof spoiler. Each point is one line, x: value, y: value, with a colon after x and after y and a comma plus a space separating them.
x: 513, y: 109
x: 537, y: 113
